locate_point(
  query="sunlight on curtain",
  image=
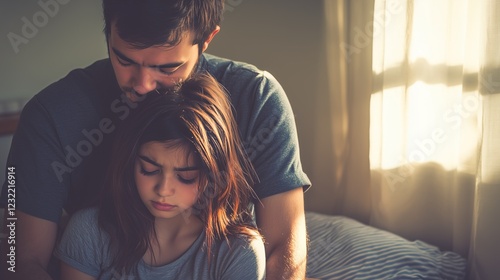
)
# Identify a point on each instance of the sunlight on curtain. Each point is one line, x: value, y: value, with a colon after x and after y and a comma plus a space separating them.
x: 420, y: 109
x: 435, y: 123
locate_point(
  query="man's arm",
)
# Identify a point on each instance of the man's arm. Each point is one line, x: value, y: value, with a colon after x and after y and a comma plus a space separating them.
x: 35, y: 239
x: 281, y: 221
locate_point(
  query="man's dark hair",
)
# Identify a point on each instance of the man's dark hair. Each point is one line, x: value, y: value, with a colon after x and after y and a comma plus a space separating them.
x: 147, y: 23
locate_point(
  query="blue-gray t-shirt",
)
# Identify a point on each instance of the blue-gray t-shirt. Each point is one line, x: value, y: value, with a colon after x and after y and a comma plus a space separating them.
x: 62, y: 144
x: 84, y: 246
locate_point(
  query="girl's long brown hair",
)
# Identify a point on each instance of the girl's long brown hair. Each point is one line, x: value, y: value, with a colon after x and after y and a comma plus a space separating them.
x: 199, y: 114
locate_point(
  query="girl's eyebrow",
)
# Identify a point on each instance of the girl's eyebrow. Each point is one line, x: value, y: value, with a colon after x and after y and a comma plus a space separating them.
x: 187, y: 168
x: 146, y: 159
x: 178, y: 169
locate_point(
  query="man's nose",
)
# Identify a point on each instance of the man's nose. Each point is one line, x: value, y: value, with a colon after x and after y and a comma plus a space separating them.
x: 144, y: 80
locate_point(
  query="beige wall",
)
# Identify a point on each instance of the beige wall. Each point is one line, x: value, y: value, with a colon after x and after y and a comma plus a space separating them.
x: 41, y: 43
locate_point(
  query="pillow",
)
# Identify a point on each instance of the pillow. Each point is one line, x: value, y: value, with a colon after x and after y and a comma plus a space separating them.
x: 342, y: 248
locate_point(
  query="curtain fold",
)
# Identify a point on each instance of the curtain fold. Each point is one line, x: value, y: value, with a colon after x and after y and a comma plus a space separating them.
x: 341, y: 173
x: 331, y: 145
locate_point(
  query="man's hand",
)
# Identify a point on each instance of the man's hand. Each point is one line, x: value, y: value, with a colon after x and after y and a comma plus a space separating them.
x: 34, y: 242
x: 281, y: 220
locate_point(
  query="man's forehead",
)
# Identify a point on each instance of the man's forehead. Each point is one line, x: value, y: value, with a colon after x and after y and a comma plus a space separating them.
x: 186, y: 39
x: 155, y: 56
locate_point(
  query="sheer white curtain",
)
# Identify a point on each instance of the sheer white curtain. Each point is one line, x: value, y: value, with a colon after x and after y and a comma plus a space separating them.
x: 416, y: 149
x: 435, y: 125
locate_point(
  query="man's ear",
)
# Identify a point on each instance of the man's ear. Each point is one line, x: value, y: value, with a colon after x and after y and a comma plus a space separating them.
x: 210, y: 37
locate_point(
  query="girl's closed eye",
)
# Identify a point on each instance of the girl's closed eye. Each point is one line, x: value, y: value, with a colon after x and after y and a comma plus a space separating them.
x: 188, y: 180
x: 146, y: 172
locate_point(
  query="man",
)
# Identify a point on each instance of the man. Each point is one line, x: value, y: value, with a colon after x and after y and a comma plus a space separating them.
x: 61, y: 146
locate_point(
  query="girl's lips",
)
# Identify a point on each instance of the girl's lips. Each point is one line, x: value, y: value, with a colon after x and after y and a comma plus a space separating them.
x: 162, y: 206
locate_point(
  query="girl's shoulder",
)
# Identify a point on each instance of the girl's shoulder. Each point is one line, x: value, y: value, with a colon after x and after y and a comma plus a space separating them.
x: 243, y: 244
x: 241, y: 257
x: 85, y: 220
x: 87, y: 215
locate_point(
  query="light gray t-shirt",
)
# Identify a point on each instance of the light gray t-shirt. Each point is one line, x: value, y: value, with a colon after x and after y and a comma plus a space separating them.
x: 84, y: 247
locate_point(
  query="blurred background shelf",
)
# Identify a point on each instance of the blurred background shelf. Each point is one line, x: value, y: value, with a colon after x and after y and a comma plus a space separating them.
x: 8, y: 123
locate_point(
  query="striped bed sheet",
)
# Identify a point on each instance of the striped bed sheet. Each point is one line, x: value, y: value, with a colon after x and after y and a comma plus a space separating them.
x: 342, y: 248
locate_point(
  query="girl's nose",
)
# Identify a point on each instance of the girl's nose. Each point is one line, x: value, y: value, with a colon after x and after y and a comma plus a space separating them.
x: 165, y: 188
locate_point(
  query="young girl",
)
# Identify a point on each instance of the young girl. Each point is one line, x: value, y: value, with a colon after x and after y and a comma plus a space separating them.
x: 175, y: 202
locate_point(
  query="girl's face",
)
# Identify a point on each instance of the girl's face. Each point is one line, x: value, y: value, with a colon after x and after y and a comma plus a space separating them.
x: 167, y: 178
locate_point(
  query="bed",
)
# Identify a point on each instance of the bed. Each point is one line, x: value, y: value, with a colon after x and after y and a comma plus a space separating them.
x: 343, y: 248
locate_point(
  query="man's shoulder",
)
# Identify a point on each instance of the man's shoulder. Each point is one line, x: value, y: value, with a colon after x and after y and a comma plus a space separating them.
x: 219, y: 64
x: 227, y: 70
x: 82, y: 92
x: 238, y: 77
x: 89, y: 80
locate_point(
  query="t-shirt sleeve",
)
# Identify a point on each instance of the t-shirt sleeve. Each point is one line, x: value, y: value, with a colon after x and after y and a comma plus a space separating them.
x: 244, y: 260
x: 271, y: 139
x: 34, y: 150
x: 81, y: 245
x: 52, y: 149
